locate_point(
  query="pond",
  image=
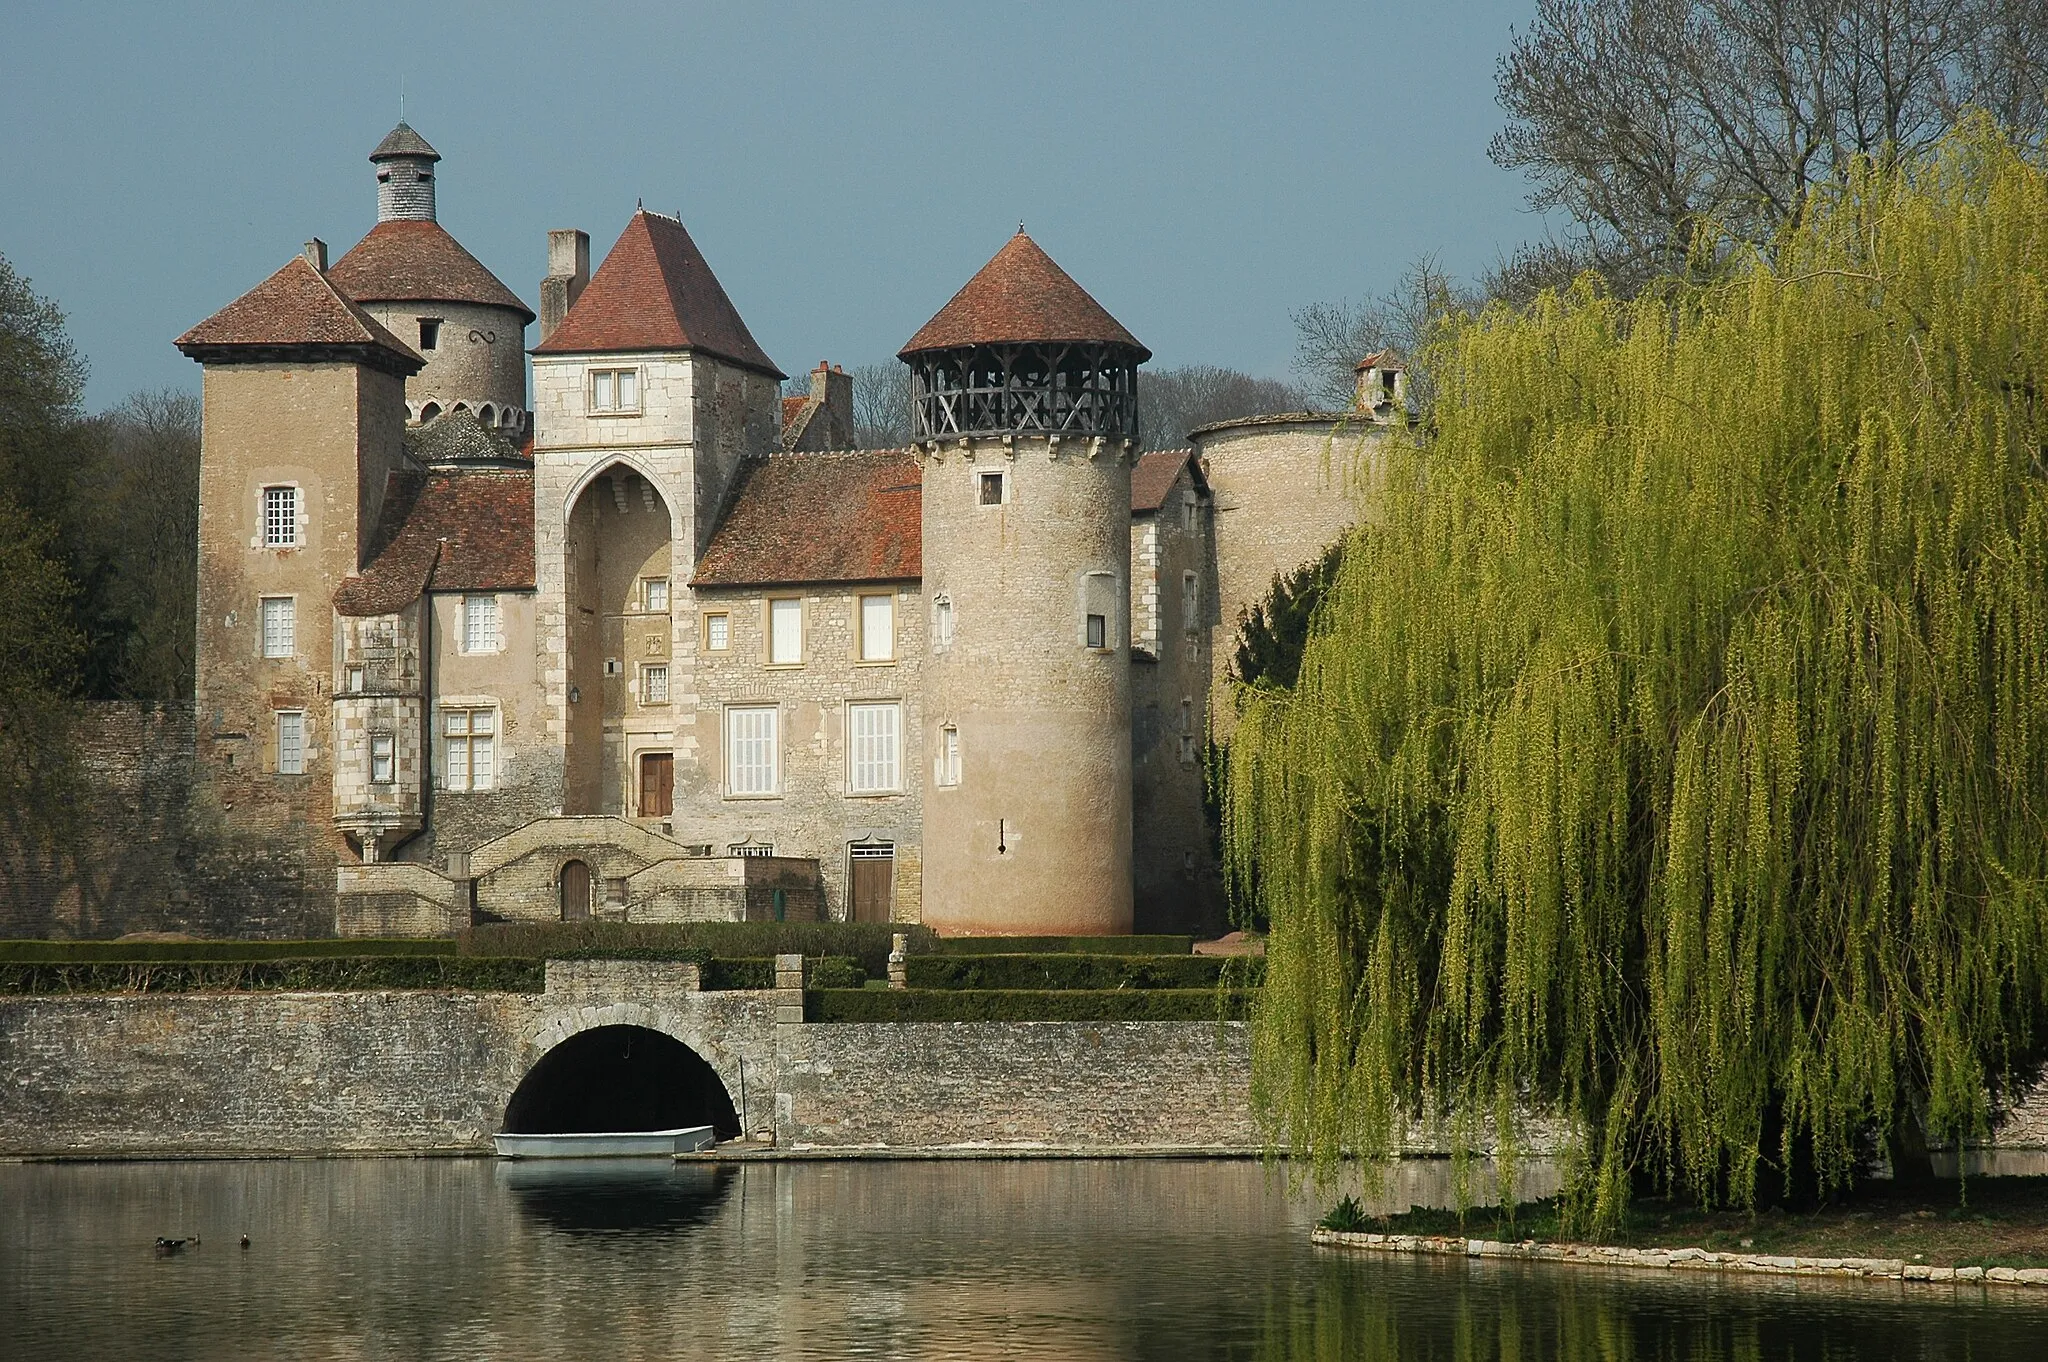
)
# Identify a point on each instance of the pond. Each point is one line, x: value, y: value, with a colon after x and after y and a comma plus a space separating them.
x: 1181, y: 1260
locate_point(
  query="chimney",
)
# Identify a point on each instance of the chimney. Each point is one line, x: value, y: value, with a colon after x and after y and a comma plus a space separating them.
x: 832, y: 390
x: 316, y: 254
x: 568, y: 272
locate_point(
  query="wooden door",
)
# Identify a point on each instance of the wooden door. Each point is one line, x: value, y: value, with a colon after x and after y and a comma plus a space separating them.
x: 874, y: 881
x: 657, y: 784
x: 575, y: 891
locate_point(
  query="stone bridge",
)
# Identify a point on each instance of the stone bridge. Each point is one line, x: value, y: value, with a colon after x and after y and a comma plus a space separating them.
x: 236, y: 1074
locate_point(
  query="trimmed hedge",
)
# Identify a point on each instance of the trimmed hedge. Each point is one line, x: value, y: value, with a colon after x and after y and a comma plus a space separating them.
x: 827, y: 971
x: 1061, y: 945
x: 987, y: 1005
x: 86, y: 952
x: 318, y: 975
x: 867, y: 942
x: 1082, y: 971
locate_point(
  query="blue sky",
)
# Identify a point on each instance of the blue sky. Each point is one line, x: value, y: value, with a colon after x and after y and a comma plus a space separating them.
x: 1204, y: 169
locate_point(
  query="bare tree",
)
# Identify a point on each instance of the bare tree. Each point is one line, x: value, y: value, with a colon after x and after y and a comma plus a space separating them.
x: 1644, y: 120
x: 1330, y: 338
x: 881, y: 405
x: 1172, y: 402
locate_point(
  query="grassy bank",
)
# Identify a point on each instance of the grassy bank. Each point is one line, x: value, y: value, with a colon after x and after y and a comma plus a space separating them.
x: 1988, y: 1222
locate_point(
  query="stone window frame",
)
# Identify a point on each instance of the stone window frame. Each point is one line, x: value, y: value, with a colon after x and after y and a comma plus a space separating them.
x: 264, y: 519
x: 1190, y: 601
x: 981, y: 475
x: 612, y: 372
x: 768, y: 604
x: 290, y: 602
x: 1097, y: 591
x: 860, y: 629
x: 895, y: 705
x: 647, y: 670
x: 945, y: 618
x: 430, y: 332
x: 946, y: 760
x: 774, y: 756
x: 648, y: 587
x: 704, y: 631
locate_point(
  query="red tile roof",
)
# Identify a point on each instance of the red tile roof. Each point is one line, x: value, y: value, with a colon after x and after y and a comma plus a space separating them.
x: 296, y: 308
x: 849, y: 516
x: 446, y: 531
x: 418, y: 262
x: 654, y: 291
x: 792, y: 407
x: 1154, y: 475
x: 1020, y: 295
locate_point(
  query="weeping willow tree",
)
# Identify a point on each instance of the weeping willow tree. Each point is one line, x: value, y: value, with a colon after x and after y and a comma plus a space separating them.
x: 1671, y: 754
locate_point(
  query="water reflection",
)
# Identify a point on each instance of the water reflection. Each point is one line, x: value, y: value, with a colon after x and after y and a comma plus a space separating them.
x: 1100, y: 1260
x: 617, y: 1196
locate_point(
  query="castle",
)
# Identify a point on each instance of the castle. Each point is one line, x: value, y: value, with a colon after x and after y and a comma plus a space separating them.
x: 650, y: 644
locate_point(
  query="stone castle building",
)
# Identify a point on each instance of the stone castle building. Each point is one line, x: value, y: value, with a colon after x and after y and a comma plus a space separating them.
x: 645, y: 640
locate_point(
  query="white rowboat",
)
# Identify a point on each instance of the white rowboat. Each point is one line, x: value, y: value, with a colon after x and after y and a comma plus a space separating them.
x: 613, y: 1144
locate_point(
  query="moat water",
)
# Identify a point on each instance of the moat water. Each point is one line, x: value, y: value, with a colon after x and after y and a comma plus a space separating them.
x: 430, y: 1259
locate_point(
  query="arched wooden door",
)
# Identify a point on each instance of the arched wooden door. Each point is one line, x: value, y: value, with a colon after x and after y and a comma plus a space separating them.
x: 575, y: 891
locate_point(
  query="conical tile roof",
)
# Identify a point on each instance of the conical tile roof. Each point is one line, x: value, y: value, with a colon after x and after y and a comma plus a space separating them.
x: 403, y: 141
x: 412, y: 260
x: 1020, y: 295
x: 295, y: 309
x: 654, y: 291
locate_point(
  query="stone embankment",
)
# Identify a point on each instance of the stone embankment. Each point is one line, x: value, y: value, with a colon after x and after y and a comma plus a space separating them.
x: 1680, y: 1259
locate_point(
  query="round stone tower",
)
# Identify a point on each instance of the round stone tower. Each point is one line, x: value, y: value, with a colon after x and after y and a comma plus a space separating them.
x: 1024, y: 395
x: 423, y: 287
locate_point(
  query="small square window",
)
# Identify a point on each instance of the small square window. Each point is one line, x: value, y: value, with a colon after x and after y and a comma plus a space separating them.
x: 615, y: 390
x: 352, y: 680
x: 991, y: 489
x: 1098, y: 631
x: 654, y: 685
x: 615, y: 891
x: 717, y: 632
x: 430, y: 333
x: 383, y: 759
x: 654, y: 595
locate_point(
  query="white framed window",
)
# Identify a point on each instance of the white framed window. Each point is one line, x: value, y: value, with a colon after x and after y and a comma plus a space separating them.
x: 470, y: 744
x: 942, y: 623
x: 291, y: 742
x: 878, y: 628
x: 383, y: 759
x: 280, y: 517
x: 946, y: 769
x: 752, y: 765
x: 785, y: 632
x: 872, y: 747
x: 654, y: 684
x: 654, y: 595
x: 615, y: 390
x: 717, y: 631
x: 352, y: 679
x: 280, y: 626
x: 480, y: 624
x: 1190, y: 602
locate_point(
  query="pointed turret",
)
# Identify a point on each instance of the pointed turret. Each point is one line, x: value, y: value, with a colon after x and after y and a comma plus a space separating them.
x: 405, y: 176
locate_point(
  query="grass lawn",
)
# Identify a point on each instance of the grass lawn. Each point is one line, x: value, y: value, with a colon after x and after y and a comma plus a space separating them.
x: 1988, y: 1222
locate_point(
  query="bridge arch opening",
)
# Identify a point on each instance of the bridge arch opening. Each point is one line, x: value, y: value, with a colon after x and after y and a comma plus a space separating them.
x: 620, y: 1078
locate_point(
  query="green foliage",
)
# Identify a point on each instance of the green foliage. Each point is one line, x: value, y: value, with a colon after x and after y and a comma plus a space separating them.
x: 1346, y: 1217
x: 950, y: 1005
x: 1672, y: 749
x: 865, y: 942
x: 321, y: 973
x: 55, y: 952
x: 1041, y: 945
x: 725, y: 972
x: 1271, y: 640
x: 1070, y: 971
x: 836, y: 971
